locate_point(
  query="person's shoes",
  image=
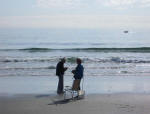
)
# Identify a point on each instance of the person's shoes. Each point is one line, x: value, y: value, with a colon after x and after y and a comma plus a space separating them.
x: 76, y: 97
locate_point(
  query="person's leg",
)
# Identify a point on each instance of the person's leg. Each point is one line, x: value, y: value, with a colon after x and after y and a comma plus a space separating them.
x: 79, y: 84
x: 76, y: 85
x: 79, y: 88
x: 60, y: 85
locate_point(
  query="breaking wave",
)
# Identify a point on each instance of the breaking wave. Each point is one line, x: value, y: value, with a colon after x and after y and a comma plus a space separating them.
x: 29, y: 68
x: 138, y: 49
x: 73, y: 60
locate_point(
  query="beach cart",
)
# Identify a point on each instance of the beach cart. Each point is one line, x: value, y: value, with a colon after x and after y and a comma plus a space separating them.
x: 75, y: 91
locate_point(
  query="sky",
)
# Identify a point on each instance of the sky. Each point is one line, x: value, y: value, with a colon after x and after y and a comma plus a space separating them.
x: 75, y: 14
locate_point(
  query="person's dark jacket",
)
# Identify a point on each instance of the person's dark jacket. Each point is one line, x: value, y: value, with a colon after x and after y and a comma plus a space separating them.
x: 78, y: 73
x: 60, y: 69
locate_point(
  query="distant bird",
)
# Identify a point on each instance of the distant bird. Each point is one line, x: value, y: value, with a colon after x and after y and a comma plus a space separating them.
x: 126, y: 31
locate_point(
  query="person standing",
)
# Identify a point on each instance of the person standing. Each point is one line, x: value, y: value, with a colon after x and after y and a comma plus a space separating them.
x: 60, y: 69
x: 78, y: 72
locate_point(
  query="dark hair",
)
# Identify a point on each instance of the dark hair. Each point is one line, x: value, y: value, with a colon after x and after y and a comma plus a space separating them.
x: 63, y: 59
x: 79, y: 60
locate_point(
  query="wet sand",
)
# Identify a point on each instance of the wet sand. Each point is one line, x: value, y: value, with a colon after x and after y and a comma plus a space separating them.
x: 92, y: 104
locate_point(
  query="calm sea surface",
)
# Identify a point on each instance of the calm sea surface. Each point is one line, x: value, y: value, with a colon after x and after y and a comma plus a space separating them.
x: 105, y: 52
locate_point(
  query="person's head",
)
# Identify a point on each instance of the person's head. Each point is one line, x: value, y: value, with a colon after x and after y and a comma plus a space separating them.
x: 63, y: 60
x: 79, y: 61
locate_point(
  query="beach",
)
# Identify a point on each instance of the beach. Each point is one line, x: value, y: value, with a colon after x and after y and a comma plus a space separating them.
x: 92, y: 104
x: 107, y: 95
x: 104, y: 42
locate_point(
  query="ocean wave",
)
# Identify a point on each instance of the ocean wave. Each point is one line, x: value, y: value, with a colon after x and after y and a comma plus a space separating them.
x: 29, y: 68
x: 36, y: 49
x: 69, y: 59
x: 140, y: 49
x: 121, y: 60
x: 72, y: 60
x: 136, y: 49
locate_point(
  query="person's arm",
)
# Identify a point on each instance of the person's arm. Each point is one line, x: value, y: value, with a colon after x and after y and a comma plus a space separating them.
x: 63, y: 69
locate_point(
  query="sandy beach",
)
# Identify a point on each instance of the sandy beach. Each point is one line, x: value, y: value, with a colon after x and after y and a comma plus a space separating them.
x: 24, y: 95
x: 92, y: 104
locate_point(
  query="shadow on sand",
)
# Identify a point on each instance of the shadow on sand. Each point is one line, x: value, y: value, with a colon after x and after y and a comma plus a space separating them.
x: 59, y: 98
x: 40, y: 96
x: 65, y: 101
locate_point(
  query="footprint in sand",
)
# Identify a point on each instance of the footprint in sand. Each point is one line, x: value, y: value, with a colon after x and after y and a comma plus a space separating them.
x: 125, y: 107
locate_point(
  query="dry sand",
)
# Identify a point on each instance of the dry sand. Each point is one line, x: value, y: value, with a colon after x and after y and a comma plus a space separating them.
x: 92, y: 104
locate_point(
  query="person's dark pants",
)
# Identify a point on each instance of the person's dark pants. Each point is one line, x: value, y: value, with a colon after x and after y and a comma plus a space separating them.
x: 60, y: 87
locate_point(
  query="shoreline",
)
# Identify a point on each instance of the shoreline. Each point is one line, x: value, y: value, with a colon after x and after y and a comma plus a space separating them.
x: 48, y: 85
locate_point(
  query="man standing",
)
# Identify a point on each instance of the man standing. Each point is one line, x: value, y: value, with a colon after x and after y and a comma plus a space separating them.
x: 60, y: 69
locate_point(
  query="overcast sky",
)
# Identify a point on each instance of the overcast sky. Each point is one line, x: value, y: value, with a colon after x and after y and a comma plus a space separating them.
x: 75, y: 14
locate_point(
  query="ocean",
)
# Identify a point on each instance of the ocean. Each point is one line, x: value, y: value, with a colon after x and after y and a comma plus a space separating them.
x: 105, y: 52
x: 114, y: 61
